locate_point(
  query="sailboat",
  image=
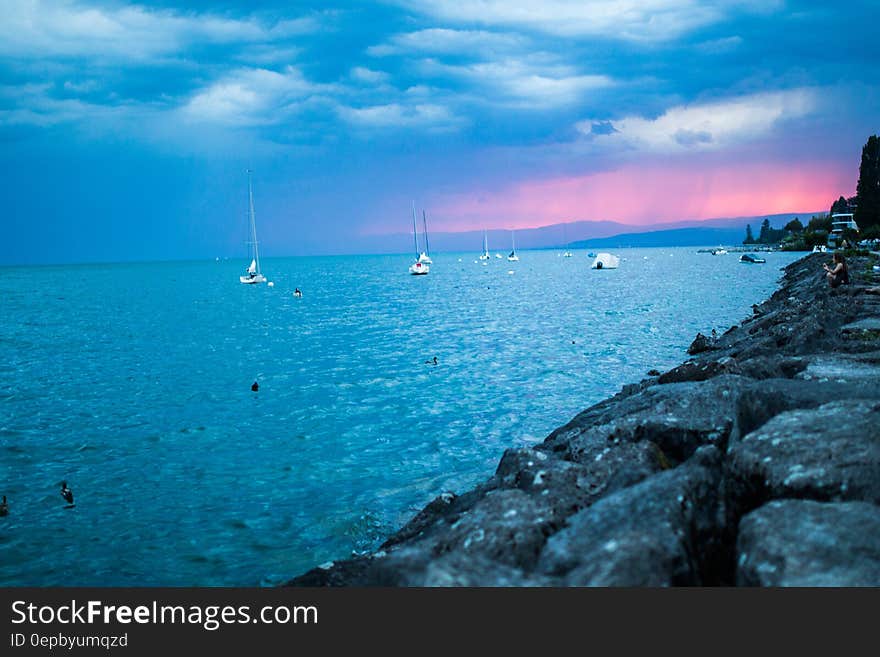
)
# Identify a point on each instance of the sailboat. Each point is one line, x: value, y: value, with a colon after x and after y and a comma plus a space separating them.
x: 567, y: 253
x: 253, y: 274
x: 485, y: 255
x: 424, y: 256
x: 513, y: 257
x: 419, y: 267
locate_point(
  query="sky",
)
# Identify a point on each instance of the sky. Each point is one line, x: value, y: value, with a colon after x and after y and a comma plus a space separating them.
x: 126, y: 129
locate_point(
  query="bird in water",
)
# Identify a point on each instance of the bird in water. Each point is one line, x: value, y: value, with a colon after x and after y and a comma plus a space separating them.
x: 255, y: 386
x: 4, y: 507
x: 431, y: 362
x: 66, y: 493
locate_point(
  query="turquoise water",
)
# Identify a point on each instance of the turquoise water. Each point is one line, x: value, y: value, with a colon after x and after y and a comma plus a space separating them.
x: 132, y: 383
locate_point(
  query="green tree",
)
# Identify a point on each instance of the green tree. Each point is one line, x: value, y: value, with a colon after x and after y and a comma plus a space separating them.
x: 794, y: 226
x: 750, y: 239
x: 840, y: 205
x: 820, y: 222
x: 867, y: 212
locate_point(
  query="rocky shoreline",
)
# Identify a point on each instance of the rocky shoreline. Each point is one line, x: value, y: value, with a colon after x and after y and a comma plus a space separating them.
x: 756, y: 463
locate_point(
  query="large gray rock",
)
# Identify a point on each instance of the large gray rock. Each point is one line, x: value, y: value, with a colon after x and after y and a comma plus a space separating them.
x: 677, y: 418
x: 806, y: 543
x: 652, y: 534
x: 830, y: 453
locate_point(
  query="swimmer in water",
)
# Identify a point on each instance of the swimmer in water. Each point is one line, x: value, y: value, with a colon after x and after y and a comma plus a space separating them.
x: 255, y: 386
x: 66, y: 493
x: 297, y: 292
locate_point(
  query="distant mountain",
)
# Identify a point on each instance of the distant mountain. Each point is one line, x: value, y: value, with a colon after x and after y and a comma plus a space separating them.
x: 674, y: 237
x: 582, y: 234
x: 714, y: 232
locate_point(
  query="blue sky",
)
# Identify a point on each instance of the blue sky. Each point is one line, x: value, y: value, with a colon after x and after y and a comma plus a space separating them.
x: 126, y: 128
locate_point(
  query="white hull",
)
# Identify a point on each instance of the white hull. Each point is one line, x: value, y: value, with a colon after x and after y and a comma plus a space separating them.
x: 248, y: 280
x: 513, y: 258
x: 419, y: 269
x: 605, y: 261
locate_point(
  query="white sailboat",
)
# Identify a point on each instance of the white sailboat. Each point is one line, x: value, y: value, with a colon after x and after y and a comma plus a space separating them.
x: 419, y: 267
x: 566, y: 253
x: 485, y: 255
x: 253, y: 274
x: 513, y: 257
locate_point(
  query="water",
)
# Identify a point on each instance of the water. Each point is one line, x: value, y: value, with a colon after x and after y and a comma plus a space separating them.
x: 132, y: 383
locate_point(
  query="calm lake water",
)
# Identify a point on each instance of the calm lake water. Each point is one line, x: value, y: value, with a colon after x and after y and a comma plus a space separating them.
x: 132, y: 382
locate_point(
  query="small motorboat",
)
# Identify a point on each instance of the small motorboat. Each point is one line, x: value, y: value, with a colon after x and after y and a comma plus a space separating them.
x: 605, y: 261
x: 751, y: 259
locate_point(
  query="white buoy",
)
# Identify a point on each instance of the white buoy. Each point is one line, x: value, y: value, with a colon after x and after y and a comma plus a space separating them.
x: 271, y: 284
x: 510, y: 271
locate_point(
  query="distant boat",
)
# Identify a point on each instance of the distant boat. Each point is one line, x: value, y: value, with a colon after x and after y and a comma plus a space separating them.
x: 485, y: 255
x: 513, y: 257
x: 820, y: 248
x: 419, y: 267
x: 751, y: 259
x: 591, y: 255
x: 719, y: 251
x: 254, y: 275
x: 605, y: 261
x: 566, y: 253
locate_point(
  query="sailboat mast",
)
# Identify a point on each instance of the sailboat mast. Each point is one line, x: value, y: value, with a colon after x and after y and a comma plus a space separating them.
x: 253, y: 221
x: 415, y: 231
x: 425, y: 224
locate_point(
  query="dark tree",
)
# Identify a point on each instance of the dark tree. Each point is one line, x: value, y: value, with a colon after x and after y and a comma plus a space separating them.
x: 765, y: 230
x: 867, y: 212
x: 750, y: 239
x: 840, y: 205
x: 820, y: 223
x: 794, y: 226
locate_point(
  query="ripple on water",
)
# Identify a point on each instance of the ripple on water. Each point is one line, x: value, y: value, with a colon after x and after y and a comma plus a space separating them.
x: 184, y: 476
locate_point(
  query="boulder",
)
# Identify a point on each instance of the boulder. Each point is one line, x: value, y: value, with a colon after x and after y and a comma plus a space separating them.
x: 652, y: 534
x: 807, y: 543
x: 830, y: 453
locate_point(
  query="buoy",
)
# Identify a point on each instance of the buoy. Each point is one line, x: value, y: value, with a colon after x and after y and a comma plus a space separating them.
x: 510, y: 271
x: 271, y: 284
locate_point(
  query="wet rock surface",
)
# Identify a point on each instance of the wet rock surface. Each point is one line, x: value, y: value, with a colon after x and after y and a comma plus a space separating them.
x: 756, y: 462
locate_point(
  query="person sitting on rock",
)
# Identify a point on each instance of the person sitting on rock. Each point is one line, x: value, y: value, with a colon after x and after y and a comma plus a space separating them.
x: 839, y: 274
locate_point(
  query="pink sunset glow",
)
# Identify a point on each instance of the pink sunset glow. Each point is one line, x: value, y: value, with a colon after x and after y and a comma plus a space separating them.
x: 647, y: 195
